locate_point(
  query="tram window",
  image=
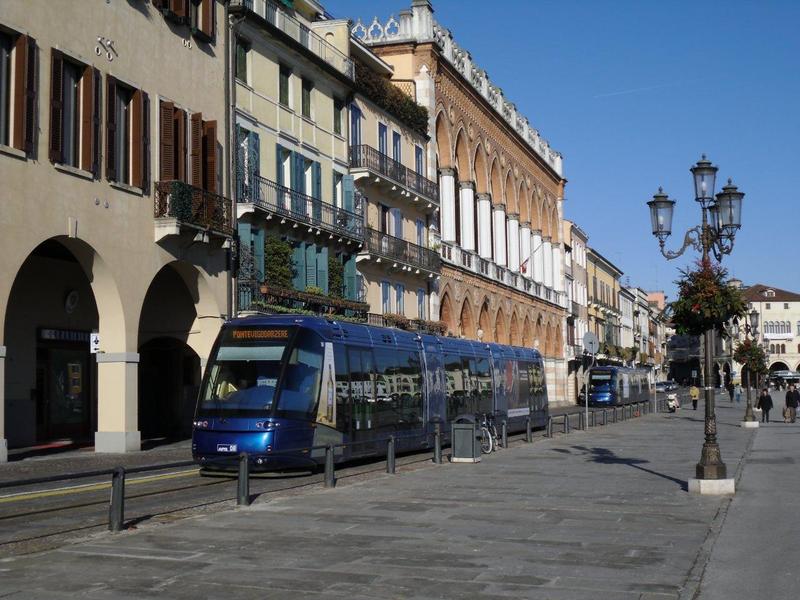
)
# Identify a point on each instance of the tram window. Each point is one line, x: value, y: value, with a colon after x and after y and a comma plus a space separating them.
x: 362, y: 388
x: 243, y: 380
x: 483, y: 384
x: 386, y: 388
x: 456, y: 386
x: 538, y: 392
x: 524, y: 386
x: 409, y: 377
x: 343, y: 415
x: 301, y: 380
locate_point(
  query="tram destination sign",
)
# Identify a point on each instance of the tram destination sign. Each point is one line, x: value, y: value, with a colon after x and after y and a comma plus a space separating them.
x: 260, y: 334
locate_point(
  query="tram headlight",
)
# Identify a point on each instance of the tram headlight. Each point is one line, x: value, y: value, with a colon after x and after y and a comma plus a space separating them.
x: 200, y: 424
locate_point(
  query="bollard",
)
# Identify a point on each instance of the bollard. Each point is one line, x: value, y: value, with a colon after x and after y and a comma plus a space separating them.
x: 437, y: 445
x: 528, y: 431
x: 390, y: 455
x: 116, y: 510
x: 330, y: 475
x: 605, y: 417
x: 549, y: 429
x: 243, y: 491
x: 504, y: 433
x: 566, y: 423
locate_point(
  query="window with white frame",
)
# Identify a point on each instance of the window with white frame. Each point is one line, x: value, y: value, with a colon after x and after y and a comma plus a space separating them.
x: 421, y: 312
x: 386, y: 297
x: 399, y: 292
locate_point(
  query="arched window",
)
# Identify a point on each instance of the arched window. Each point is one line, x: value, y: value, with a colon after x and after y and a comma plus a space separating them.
x: 783, y: 348
x: 772, y: 348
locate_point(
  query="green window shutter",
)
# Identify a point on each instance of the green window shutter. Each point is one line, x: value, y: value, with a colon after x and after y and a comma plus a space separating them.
x: 316, y: 190
x: 311, y: 265
x: 348, y: 192
x: 240, y: 143
x: 279, y: 165
x: 350, y: 278
x: 299, y: 255
x: 322, y: 268
x: 258, y: 252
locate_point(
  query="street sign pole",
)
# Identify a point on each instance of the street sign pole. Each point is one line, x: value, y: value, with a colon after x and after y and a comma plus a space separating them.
x: 591, y: 345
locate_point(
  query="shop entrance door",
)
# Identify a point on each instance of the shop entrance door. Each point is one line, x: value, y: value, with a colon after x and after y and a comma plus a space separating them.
x: 66, y: 392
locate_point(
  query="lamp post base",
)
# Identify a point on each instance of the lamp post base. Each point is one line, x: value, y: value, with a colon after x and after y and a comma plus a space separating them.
x: 711, y: 465
x: 748, y: 424
x: 712, y: 487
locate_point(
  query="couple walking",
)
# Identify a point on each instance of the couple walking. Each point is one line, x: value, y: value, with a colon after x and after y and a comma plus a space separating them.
x: 789, y: 411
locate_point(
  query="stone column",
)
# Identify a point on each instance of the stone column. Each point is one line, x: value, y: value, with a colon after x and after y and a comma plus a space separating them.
x: 485, y: 225
x: 513, y: 242
x: 117, y: 402
x: 537, y: 256
x: 558, y: 268
x: 547, y: 257
x: 525, y: 248
x: 466, y: 192
x: 3, y: 441
x: 447, y: 197
x: 499, y: 216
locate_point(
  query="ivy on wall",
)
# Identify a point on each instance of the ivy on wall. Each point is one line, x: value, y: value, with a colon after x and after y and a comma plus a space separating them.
x: 389, y: 97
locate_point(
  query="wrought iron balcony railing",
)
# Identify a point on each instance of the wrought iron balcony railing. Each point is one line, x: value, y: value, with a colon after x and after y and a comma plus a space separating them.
x: 367, y: 157
x: 273, y: 14
x: 303, y: 209
x: 193, y: 206
x: 394, y: 248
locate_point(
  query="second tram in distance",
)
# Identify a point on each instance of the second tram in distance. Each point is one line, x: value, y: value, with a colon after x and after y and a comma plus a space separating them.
x: 612, y: 386
x: 278, y: 385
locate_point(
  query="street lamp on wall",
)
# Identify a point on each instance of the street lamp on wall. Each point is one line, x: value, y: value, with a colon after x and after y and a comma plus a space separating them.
x: 721, y: 219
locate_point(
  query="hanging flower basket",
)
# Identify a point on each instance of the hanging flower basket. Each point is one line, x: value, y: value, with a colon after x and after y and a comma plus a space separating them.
x: 752, y: 356
x: 706, y: 300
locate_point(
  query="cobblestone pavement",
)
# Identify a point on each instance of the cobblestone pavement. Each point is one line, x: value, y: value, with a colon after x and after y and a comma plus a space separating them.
x: 600, y: 514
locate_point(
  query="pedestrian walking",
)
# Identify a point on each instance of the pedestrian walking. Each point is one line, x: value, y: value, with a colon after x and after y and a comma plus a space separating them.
x: 792, y: 400
x: 738, y: 394
x: 694, y: 394
x: 765, y: 404
x: 729, y: 387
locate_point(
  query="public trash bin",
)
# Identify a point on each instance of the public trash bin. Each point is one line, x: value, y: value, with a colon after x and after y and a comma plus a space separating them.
x: 466, y: 443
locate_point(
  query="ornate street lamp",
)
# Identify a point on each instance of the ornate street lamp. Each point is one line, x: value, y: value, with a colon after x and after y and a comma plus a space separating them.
x: 750, y: 328
x: 721, y: 219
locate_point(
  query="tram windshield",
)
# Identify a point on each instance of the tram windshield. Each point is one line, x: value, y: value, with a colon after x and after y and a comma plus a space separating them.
x: 600, y: 381
x: 257, y: 371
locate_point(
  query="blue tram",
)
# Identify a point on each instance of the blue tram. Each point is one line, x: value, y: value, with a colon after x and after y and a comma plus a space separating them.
x: 612, y: 386
x: 278, y: 385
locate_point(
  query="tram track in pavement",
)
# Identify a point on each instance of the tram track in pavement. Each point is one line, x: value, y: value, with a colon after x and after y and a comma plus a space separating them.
x: 57, y: 520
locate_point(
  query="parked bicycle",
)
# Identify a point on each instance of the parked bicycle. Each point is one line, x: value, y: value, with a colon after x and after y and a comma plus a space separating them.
x: 488, y: 431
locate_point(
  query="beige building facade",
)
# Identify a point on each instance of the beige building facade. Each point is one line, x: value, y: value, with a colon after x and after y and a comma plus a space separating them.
x: 115, y: 218
x: 397, y: 267
x: 604, y: 311
x: 501, y: 193
x: 292, y: 81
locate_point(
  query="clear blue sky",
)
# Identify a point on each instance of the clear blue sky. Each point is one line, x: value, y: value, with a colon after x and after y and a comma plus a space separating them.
x: 631, y: 92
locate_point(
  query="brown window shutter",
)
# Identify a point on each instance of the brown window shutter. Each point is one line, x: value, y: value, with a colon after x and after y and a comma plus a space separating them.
x: 30, y: 98
x: 197, y: 150
x: 166, y: 144
x: 87, y: 102
x: 137, y: 133
x: 96, y: 128
x: 180, y: 7
x: 24, y: 63
x: 111, y: 128
x: 56, y: 106
x: 210, y: 155
x: 180, y: 145
x: 145, y: 181
x: 207, y: 17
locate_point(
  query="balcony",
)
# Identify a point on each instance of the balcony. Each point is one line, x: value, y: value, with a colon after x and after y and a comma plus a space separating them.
x: 576, y: 308
x: 303, y: 210
x: 178, y: 206
x: 367, y: 158
x: 274, y: 15
x: 411, y: 255
x: 487, y: 268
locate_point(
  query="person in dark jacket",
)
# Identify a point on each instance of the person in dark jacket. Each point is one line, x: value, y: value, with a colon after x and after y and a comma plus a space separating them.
x: 765, y: 404
x: 792, y: 400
